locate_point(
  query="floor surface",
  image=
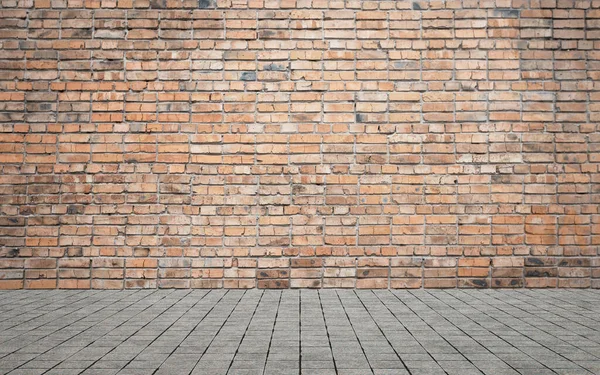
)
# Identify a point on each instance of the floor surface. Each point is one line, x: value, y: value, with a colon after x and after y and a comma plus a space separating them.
x: 270, y: 332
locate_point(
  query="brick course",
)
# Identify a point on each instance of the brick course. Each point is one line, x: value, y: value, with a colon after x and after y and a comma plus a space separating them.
x: 299, y: 143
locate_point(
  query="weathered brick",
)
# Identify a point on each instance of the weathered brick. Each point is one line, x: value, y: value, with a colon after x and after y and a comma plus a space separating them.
x: 216, y: 144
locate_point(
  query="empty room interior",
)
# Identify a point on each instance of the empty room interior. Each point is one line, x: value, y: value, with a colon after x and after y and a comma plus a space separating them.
x: 299, y: 187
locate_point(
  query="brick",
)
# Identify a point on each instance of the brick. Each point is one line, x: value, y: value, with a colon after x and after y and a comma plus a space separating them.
x: 298, y: 144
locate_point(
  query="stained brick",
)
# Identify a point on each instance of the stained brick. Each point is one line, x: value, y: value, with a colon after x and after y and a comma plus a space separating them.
x: 288, y: 144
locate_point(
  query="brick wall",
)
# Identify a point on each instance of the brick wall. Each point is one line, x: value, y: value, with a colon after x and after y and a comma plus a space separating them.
x: 299, y: 143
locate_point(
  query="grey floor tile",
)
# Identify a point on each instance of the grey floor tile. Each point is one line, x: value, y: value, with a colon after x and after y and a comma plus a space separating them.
x: 219, y: 332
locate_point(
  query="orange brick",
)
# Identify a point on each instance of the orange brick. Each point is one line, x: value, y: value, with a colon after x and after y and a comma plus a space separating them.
x: 321, y: 145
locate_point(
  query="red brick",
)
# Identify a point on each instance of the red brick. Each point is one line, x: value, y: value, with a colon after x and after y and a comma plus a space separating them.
x: 355, y: 146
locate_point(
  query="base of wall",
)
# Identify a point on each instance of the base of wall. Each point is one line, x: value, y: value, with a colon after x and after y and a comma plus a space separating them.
x: 301, y: 272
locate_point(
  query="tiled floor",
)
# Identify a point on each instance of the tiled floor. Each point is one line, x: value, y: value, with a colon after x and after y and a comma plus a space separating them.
x: 214, y: 332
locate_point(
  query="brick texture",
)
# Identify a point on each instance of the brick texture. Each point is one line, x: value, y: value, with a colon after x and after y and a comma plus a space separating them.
x: 299, y: 143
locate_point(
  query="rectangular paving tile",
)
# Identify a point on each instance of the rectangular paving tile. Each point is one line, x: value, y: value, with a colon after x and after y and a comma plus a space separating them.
x: 264, y: 332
